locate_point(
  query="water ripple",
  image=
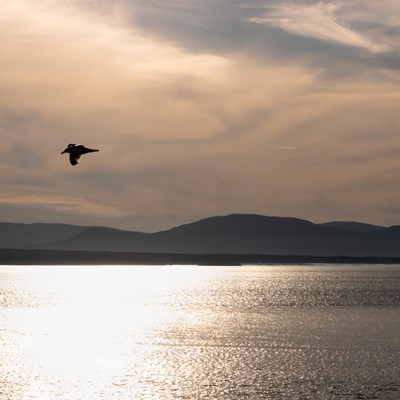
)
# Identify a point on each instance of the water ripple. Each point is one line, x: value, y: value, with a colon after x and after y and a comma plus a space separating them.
x: 254, y: 332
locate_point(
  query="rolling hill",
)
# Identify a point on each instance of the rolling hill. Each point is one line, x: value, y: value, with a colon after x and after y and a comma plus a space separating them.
x: 231, y: 234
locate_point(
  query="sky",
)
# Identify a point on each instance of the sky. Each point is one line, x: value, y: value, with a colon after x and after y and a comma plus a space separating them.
x: 199, y: 108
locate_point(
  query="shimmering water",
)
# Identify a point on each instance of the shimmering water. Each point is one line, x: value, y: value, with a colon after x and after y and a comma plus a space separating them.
x: 188, y: 332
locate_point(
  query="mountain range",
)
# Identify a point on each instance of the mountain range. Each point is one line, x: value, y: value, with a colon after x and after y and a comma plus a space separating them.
x: 231, y: 234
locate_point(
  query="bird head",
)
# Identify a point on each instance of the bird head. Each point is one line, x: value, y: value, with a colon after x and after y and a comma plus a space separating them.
x: 70, y: 146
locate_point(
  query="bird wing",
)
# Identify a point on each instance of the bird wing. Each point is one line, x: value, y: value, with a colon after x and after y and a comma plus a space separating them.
x: 74, y: 158
x: 84, y: 150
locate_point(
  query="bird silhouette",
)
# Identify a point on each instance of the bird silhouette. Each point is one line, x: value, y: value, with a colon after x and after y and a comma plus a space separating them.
x: 75, y: 152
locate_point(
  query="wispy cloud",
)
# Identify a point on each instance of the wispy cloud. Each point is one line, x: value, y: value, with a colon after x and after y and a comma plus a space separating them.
x: 78, y: 37
x: 60, y: 204
x: 196, y: 111
x: 350, y: 23
x: 284, y: 147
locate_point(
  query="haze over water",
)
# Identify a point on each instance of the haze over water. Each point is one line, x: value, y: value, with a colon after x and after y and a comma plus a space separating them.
x: 189, y: 332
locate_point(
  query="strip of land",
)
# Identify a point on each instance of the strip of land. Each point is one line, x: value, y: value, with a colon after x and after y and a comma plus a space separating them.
x: 63, y: 257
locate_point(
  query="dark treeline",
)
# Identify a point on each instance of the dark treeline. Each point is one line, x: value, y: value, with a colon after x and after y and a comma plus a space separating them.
x: 67, y: 257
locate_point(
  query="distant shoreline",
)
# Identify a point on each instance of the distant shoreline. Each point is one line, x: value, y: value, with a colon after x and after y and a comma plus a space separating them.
x: 71, y: 257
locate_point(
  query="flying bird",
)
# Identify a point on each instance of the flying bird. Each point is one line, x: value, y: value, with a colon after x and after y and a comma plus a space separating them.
x: 75, y: 152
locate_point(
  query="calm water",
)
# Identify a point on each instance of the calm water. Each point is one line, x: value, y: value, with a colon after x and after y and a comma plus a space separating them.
x: 188, y: 332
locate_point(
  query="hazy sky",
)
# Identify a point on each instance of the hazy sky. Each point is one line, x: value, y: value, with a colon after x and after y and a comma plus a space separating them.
x: 199, y: 108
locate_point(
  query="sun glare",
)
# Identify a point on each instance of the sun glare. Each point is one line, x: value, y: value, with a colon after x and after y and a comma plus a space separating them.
x: 90, y: 314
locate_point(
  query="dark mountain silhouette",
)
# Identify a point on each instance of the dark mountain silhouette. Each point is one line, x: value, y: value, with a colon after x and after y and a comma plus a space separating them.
x: 232, y: 234
x: 16, y: 235
x: 101, y: 238
x: 354, y: 226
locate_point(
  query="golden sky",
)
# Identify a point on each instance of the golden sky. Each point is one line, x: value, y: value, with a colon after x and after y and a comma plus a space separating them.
x: 286, y: 108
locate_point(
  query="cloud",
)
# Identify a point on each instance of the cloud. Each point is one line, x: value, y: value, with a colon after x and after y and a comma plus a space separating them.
x: 59, y: 203
x: 350, y: 23
x: 196, y: 111
x: 87, y: 59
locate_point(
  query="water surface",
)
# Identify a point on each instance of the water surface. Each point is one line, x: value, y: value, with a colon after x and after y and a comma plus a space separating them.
x: 189, y: 332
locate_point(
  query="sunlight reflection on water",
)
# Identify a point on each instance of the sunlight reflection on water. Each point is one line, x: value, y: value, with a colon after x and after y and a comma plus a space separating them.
x: 168, y: 332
